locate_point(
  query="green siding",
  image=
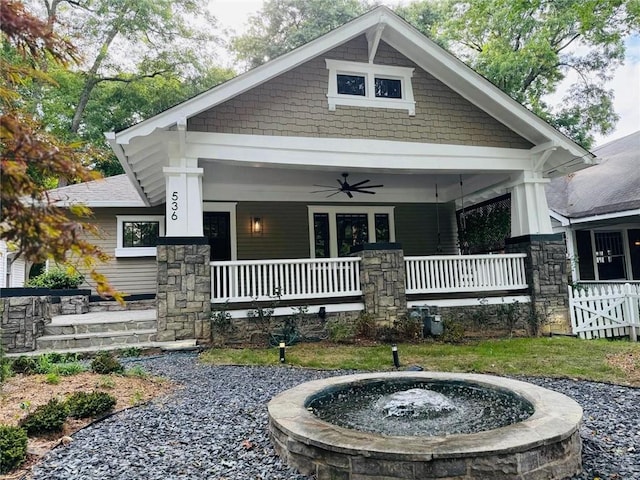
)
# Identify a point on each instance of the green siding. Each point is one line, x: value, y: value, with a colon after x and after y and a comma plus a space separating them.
x: 417, y: 228
x: 286, y: 230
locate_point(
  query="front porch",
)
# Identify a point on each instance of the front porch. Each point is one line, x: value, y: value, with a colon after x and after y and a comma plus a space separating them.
x: 333, y: 279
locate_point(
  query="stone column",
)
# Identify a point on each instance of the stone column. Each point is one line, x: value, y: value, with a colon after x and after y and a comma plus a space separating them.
x: 546, y: 270
x: 184, y: 289
x: 382, y: 278
x: 22, y: 321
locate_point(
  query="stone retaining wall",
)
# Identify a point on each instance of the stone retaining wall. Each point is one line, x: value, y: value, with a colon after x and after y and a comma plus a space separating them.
x: 22, y: 322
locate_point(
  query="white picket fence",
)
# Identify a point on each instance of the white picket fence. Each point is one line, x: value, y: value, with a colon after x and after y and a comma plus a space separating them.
x: 605, y: 311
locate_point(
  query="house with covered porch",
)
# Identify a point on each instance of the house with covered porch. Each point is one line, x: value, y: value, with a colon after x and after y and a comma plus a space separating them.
x: 339, y: 175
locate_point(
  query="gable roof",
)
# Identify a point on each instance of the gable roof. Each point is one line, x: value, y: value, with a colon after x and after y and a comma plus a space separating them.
x: 380, y: 24
x: 116, y: 191
x: 613, y: 185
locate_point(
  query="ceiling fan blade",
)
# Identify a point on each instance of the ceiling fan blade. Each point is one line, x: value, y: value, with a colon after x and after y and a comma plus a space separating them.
x: 349, y: 194
x: 335, y: 193
x: 356, y: 185
x: 364, y: 191
x: 367, y: 186
x: 323, y: 186
x: 332, y: 189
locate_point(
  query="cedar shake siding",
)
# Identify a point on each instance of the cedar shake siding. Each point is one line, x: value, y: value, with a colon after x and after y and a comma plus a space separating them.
x: 286, y: 229
x: 132, y: 275
x: 295, y: 104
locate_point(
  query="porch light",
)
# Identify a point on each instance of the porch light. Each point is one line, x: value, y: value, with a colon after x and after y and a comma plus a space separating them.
x: 256, y: 226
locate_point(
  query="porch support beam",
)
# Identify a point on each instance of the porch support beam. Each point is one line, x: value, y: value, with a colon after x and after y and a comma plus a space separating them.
x: 529, y: 209
x: 340, y: 153
x: 183, y: 198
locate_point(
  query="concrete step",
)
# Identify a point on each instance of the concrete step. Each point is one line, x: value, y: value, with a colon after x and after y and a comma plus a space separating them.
x: 179, y: 345
x: 121, y: 339
x: 81, y: 327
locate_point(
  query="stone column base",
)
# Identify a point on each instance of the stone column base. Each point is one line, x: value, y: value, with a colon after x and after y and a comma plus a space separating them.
x: 184, y: 289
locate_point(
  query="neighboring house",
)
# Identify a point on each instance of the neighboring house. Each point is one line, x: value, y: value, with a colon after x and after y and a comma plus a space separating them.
x: 12, y: 269
x: 598, y: 210
x: 118, y: 210
x: 254, y: 169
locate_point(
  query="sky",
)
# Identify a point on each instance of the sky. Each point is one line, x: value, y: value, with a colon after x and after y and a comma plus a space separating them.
x: 233, y: 14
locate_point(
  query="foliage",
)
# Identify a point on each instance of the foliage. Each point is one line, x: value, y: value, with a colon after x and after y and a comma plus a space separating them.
x: 365, y: 325
x: 452, y: 331
x: 167, y: 61
x: 509, y: 314
x: 32, y: 224
x: 46, y: 418
x: 262, y: 317
x: 341, y: 330
x: 13, y: 447
x: 25, y: 365
x: 105, y: 363
x: 86, y: 405
x: 105, y: 381
x: 538, y: 316
x: 484, y: 229
x: 283, y: 25
x: 57, y: 364
x: 409, y: 329
x: 136, y: 371
x: 221, y: 321
x: 6, y: 369
x: 57, y: 278
x: 131, y: 352
x: 527, y: 48
x: 52, y: 378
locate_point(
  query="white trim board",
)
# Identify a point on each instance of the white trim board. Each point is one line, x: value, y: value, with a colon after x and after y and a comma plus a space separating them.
x: 470, y: 302
x: 281, y: 311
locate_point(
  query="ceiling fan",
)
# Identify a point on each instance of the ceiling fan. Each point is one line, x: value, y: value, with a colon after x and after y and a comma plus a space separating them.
x: 349, y: 189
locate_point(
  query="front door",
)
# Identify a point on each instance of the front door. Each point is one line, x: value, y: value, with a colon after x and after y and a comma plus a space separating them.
x: 218, y: 230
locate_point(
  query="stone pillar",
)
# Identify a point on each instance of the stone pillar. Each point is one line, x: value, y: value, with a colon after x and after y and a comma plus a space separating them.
x: 184, y: 289
x: 22, y: 321
x: 382, y: 278
x: 546, y: 270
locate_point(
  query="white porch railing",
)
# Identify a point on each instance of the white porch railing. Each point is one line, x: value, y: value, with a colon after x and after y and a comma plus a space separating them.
x: 465, y: 273
x: 248, y: 280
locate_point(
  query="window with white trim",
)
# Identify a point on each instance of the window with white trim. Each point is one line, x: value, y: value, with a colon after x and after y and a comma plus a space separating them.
x: 335, y: 230
x: 137, y: 235
x: 369, y: 85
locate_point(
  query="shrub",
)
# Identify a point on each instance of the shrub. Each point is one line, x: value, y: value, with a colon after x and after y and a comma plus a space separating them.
x: 94, y: 404
x: 453, y: 331
x: 46, y: 418
x: 5, y: 366
x: 105, y: 363
x: 409, y: 328
x: 366, y: 326
x: 340, y: 331
x: 64, y: 365
x: 53, y: 378
x: 13, y: 447
x: 57, y: 279
x: 25, y: 365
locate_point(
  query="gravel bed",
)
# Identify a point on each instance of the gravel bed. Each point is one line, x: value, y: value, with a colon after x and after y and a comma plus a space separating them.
x: 215, y: 428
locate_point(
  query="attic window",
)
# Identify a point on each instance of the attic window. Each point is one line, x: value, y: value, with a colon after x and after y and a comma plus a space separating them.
x: 369, y: 85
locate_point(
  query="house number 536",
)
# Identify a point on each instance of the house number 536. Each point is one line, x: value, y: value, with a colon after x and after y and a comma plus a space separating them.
x: 174, y: 206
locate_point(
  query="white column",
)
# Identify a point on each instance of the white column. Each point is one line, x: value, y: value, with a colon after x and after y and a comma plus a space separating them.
x: 529, y: 209
x: 184, y: 201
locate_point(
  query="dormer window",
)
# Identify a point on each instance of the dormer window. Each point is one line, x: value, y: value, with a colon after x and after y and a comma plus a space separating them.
x: 370, y: 85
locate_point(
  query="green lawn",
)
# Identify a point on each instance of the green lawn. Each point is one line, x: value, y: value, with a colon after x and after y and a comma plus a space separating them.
x: 598, y: 360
